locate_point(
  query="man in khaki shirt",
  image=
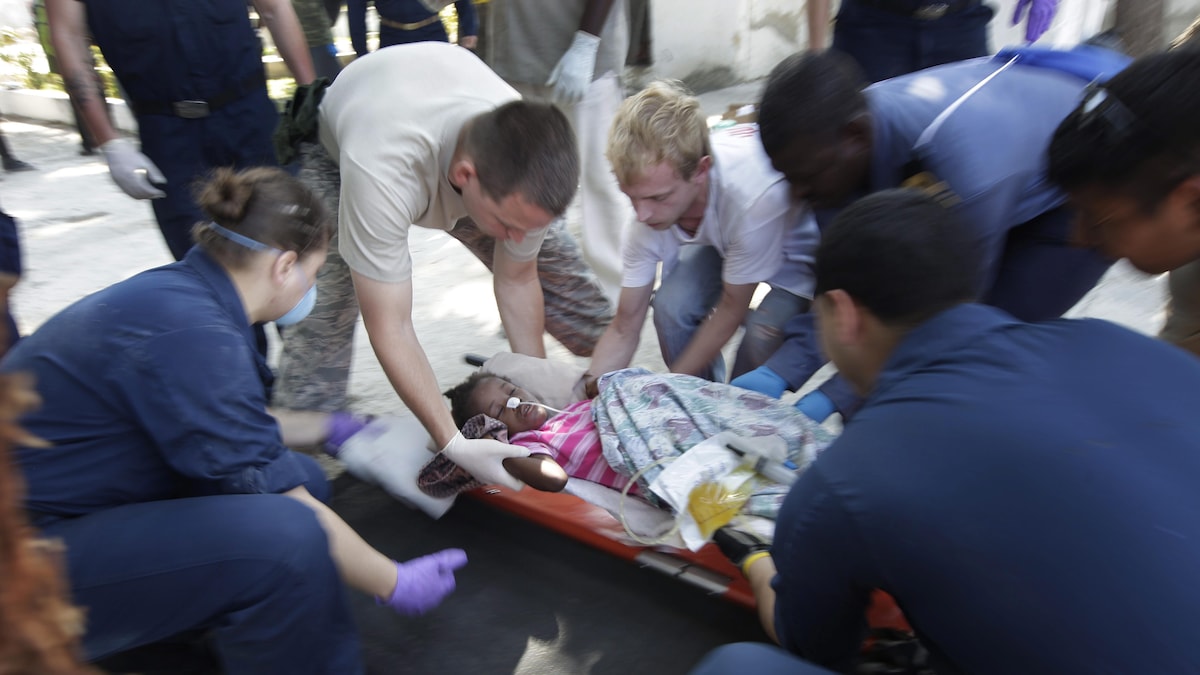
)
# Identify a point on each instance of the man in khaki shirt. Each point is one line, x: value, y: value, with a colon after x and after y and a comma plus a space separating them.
x: 426, y: 135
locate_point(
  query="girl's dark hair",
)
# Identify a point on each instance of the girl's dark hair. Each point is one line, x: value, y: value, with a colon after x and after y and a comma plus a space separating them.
x: 266, y: 205
x: 460, y: 395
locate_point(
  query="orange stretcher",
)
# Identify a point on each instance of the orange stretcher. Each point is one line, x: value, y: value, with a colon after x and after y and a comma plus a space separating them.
x: 707, y: 568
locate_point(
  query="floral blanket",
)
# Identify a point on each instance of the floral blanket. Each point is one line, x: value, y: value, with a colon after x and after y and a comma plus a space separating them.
x: 643, y: 417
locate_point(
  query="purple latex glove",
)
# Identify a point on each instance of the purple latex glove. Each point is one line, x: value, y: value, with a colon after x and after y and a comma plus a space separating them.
x: 1041, y: 14
x: 422, y: 583
x: 342, y: 425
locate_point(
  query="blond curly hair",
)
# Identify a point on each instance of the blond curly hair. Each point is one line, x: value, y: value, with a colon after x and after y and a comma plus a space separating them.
x: 661, y: 123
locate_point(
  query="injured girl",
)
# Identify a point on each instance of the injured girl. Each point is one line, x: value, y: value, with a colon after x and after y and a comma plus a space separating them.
x: 561, y: 443
x: 638, y: 419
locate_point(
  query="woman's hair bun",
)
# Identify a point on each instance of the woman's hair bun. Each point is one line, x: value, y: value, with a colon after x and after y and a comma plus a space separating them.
x: 226, y: 195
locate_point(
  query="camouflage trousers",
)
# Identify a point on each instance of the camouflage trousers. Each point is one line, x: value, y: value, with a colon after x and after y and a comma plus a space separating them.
x: 314, y: 367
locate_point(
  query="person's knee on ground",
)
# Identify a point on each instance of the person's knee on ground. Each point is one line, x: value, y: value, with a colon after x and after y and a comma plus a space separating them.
x: 684, y: 300
x: 765, y: 329
x: 254, y: 573
x: 673, y: 317
x: 304, y: 585
x: 760, y: 340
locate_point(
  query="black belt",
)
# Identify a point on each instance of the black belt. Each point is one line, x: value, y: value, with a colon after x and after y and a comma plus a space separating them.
x: 191, y: 110
x: 923, y: 11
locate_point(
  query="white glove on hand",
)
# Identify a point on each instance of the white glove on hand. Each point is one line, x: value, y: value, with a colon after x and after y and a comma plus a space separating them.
x: 132, y: 171
x: 483, y: 458
x: 573, y: 74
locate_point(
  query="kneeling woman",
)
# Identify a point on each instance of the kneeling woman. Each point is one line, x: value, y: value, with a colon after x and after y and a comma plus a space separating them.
x: 181, y: 509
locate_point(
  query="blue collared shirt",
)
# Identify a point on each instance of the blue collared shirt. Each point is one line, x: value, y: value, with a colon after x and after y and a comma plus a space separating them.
x: 152, y: 389
x: 986, y: 139
x: 1027, y: 493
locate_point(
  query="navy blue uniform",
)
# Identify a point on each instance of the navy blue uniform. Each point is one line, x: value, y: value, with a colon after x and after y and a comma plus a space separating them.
x: 10, y: 263
x: 408, y: 12
x: 989, y: 146
x: 188, y: 50
x: 1012, y: 485
x: 889, y: 38
x: 163, y: 473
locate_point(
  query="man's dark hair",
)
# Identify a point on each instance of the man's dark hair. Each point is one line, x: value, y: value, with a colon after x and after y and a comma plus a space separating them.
x: 526, y: 148
x: 1138, y: 134
x: 809, y: 93
x: 900, y: 254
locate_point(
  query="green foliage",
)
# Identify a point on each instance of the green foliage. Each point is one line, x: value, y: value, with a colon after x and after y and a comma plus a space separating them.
x: 9, y: 37
x: 111, y: 89
x: 450, y: 20
x: 280, y: 90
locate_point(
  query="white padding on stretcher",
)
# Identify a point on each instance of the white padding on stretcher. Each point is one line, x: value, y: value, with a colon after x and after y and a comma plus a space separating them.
x: 390, y: 452
x: 551, y: 382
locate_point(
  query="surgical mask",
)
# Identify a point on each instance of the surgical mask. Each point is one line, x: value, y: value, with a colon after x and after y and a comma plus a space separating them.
x: 303, y: 308
x: 305, y: 305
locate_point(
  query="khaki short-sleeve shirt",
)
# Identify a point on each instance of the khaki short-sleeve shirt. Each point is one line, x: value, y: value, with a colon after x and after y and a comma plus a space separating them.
x: 391, y: 121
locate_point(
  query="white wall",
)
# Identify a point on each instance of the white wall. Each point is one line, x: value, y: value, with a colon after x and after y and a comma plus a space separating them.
x: 1180, y: 15
x: 15, y: 14
x: 1075, y: 21
x: 715, y: 43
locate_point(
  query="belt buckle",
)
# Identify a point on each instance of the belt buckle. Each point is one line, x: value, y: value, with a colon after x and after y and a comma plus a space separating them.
x: 931, y: 11
x: 190, y: 110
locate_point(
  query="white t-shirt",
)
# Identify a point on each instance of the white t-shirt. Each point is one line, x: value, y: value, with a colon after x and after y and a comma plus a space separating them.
x: 391, y: 121
x: 750, y: 219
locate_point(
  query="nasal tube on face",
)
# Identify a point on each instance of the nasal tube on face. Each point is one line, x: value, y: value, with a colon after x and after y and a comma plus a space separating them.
x: 514, y: 402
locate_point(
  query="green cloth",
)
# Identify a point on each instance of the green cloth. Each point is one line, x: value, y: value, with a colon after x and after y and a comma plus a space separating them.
x: 299, y: 120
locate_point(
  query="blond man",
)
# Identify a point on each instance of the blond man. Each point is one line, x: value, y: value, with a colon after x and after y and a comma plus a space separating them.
x: 719, y: 220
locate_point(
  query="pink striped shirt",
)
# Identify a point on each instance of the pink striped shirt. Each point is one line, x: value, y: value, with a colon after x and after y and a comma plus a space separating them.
x: 570, y: 438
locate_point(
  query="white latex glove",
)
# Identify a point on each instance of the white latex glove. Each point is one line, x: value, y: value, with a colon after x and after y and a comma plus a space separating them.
x: 132, y: 171
x: 573, y: 74
x: 483, y: 458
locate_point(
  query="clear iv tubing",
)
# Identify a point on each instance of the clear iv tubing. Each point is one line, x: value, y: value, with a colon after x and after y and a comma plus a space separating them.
x: 513, y: 402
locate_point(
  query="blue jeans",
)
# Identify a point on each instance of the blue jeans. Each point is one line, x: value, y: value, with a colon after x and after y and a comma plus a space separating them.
x: 753, y: 657
x: 888, y: 44
x: 688, y: 294
x: 253, y: 572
